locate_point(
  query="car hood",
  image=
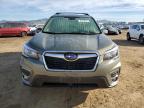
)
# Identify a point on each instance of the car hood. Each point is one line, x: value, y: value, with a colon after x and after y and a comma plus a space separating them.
x: 112, y: 29
x: 69, y: 42
x: 32, y: 28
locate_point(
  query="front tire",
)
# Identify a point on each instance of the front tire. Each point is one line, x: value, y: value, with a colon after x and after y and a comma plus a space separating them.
x: 141, y: 40
x: 120, y: 32
x: 23, y: 34
x: 128, y: 37
x: 117, y: 33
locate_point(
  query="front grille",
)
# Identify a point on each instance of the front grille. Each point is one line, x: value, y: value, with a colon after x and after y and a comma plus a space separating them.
x: 81, y: 64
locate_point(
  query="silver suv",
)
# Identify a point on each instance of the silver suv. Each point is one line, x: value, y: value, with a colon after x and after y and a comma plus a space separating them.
x: 70, y: 49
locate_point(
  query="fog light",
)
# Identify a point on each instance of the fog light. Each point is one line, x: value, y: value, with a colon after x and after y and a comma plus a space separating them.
x: 115, y: 75
x: 115, y: 79
x: 26, y: 74
x: 26, y: 77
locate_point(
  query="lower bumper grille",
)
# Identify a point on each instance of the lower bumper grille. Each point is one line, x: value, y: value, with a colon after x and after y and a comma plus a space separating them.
x: 57, y: 62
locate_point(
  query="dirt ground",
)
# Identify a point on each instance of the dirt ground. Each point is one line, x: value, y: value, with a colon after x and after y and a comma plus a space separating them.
x: 129, y: 93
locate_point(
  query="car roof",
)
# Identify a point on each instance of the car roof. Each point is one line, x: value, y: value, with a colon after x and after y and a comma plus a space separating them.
x: 71, y: 14
x: 13, y: 23
x: 137, y: 24
x: 142, y: 24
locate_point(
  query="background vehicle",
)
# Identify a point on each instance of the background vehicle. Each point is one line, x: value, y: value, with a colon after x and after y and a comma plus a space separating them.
x: 70, y: 49
x: 39, y: 28
x: 103, y: 29
x: 136, y: 31
x: 124, y: 27
x: 13, y: 29
x: 32, y: 30
x: 35, y: 29
x: 112, y: 30
x: 119, y: 30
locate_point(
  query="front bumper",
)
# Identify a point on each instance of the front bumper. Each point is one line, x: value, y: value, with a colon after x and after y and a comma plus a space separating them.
x: 102, y: 76
x: 33, y: 32
x: 112, y: 32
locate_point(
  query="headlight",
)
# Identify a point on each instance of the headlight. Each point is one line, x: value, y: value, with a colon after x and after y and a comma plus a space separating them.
x: 111, y: 53
x: 29, y: 52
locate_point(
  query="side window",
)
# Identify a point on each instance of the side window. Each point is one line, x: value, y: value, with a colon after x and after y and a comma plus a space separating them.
x: 1, y: 25
x: 7, y: 25
x: 134, y: 27
x: 142, y: 27
x: 12, y: 25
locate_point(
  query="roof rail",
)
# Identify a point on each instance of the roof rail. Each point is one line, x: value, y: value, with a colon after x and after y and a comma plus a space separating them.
x: 83, y: 13
x: 72, y: 12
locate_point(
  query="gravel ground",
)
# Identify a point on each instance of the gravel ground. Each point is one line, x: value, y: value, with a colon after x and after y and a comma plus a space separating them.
x: 129, y: 93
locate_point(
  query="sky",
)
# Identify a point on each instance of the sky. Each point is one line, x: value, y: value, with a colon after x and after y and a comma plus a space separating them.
x: 114, y: 10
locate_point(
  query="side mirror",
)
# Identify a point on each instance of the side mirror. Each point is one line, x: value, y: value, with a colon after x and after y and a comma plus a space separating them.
x: 105, y: 31
x: 39, y: 30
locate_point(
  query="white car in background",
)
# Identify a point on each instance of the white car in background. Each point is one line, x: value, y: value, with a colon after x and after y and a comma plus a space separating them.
x: 136, y: 31
x: 35, y: 29
x: 32, y: 30
x: 39, y: 27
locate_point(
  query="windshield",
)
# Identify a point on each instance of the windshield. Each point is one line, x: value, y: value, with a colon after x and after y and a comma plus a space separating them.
x: 142, y: 26
x: 71, y: 25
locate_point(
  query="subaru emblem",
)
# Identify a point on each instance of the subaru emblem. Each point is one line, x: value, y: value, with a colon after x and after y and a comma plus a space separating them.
x: 71, y: 56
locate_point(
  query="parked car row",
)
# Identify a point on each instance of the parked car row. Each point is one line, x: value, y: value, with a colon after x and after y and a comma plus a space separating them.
x: 111, y: 30
x: 135, y: 31
x: 22, y: 29
x: 18, y: 29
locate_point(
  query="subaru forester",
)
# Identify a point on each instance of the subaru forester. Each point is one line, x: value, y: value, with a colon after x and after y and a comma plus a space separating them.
x: 70, y: 49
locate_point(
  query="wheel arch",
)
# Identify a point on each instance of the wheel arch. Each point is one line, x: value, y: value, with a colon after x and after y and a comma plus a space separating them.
x: 23, y: 32
x: 141, y: 35
x: 128, y: 33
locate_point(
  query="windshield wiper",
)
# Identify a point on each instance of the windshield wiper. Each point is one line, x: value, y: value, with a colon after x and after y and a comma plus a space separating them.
x: 49, y: 32
x: 55, y: 32
x: 85, y: 33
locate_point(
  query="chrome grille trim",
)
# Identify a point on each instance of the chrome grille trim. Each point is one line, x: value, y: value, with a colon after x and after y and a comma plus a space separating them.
x: 60, y: 54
